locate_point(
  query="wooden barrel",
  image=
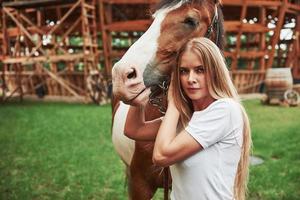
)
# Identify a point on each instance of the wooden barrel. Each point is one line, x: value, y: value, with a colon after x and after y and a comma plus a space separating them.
x: 278, y: 80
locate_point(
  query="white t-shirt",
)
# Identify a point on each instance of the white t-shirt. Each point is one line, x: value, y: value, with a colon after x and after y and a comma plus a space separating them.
x: 209, y: 174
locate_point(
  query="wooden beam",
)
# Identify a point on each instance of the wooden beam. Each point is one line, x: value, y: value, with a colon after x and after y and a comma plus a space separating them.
x: 54, y: 58
x: 56, y: 26
x: 61, y: 82
x: 276, y: 35
x: 255, y: 3
x: 246, y: 54
x: 236, y: 26
x: 106, y: 37
x: 130, y: 1
x: 4, y: 51
x: 294, y: 7
x: 68, y: 32
x: 23, y: 29
x: 37, y: 29
x: 252, y: 54
x: 4, y: 32
x: 34, y: 4
x: 262, y: 45
x: 238, y: 37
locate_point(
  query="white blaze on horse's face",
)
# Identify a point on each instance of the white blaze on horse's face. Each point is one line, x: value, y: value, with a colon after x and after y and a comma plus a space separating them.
x: 127, y: 74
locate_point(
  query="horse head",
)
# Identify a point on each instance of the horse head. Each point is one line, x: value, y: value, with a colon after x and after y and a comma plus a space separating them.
x: 148, y: 63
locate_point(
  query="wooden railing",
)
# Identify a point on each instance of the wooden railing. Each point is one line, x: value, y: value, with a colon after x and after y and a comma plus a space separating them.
x: 33, y: 82
x: 245, y: 81
x: 248, y: 81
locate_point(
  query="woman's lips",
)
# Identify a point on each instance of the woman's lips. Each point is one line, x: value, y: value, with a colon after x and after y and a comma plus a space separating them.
x: 193, y: 89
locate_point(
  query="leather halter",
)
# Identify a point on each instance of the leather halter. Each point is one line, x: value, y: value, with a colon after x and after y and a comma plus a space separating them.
x: 214, y: 25
x: 157, y: 100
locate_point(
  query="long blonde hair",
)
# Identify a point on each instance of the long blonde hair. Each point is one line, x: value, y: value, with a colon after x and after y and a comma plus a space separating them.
x: 220, y: 86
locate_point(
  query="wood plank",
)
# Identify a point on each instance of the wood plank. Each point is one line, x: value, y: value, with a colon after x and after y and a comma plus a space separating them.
x: 54, y: 58
x: 61, y: 82
x: 234, y: 64
x: 21, y: 27
x: 252, y: 54
x: 252, y: 2
x: 13, y: 31
x: 36, y: 3
x: 275, y: 38
x: 130, y: 1
x: 262, y: 44
x: 37, y: 29
x: 56, y: 26
x: 294, y: 7
x: 236, y: 26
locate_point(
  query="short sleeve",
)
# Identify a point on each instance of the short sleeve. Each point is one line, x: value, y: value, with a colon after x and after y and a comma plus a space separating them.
x: 211, y: 125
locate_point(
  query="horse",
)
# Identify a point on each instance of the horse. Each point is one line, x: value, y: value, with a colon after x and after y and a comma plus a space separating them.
x: 146, y: 67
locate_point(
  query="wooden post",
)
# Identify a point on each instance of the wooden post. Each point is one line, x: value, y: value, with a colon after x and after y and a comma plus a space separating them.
x: 276, y: 35
x: 56, y: 27
x: 294, y: 59
x: 19, y: 66
x: 106, y: 18
x: 84, y: 25
x: 4, y: 50
x: 238, y: 37
x: 262, y: 19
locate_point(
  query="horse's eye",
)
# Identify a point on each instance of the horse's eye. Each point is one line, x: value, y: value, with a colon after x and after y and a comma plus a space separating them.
x: 191, y: 22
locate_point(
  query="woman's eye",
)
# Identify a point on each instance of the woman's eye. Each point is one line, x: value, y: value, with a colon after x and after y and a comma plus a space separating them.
x: 200, y: 70
x: 183, y: 71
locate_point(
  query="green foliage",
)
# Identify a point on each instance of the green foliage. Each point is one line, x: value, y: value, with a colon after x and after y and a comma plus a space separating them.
x: 64, y: 151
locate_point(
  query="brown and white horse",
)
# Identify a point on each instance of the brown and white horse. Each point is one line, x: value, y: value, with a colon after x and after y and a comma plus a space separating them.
x: 144, y: 68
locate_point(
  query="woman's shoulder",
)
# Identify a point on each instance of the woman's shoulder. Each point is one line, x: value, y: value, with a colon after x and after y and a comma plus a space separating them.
x: 229, y: 104
x: 232, y: 107
x: 225, y: 104
x: 219, y: 106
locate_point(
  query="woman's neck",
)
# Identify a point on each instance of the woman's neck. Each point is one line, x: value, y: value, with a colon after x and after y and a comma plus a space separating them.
x: 202, y: 103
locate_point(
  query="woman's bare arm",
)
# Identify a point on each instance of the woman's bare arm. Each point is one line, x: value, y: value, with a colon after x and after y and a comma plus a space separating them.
x: 170, y: 147
x: 137, y: 128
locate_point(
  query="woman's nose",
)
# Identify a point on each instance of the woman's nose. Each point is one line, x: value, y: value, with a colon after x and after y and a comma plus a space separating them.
x: 191, y: 78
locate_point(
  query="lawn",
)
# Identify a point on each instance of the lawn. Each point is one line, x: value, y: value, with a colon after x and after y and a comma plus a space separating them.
x: 64, y: 151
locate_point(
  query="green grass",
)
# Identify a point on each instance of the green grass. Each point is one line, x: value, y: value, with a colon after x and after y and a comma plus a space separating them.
x: 276, y: 138
x: 58, y: 151
x: 64, y: 151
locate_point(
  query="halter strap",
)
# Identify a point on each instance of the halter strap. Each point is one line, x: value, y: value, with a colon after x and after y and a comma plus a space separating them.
x: 214, y: 24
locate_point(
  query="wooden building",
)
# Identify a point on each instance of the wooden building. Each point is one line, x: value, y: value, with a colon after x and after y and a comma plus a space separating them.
x: 56, y: 47
x: 50, y: 47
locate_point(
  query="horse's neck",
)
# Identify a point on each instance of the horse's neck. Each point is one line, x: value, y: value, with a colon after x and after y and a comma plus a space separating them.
x: 115, y: 103
x: 151, y: 112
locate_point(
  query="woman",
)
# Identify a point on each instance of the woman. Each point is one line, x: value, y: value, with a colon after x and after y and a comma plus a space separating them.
x: 205, y: 134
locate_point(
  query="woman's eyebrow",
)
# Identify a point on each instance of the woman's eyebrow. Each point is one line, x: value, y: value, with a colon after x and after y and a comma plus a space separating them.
x: 199, y: 66
x: 182, y: 67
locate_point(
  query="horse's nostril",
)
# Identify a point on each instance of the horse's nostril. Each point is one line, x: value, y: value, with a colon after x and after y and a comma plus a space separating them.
x: 132, y: 74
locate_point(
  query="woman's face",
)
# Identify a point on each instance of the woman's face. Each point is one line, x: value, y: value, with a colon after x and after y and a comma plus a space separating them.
x: 193, y: 78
